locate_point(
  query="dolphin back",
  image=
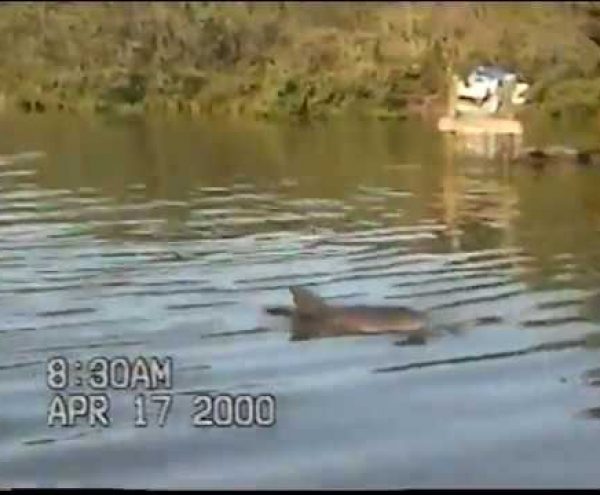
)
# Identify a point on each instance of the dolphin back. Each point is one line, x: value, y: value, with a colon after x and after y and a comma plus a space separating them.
x: 308, y: 303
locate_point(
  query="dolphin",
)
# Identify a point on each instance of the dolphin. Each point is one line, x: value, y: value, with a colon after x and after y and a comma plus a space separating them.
x: 312, y: 317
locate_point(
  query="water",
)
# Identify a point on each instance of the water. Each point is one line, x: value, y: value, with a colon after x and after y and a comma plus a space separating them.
x: 129, y: 238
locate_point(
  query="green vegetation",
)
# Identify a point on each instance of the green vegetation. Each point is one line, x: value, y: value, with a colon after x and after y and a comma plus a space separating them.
x: 289, y: 59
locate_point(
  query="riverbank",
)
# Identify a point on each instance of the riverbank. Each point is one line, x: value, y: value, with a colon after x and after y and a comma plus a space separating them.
x: 288, y: 60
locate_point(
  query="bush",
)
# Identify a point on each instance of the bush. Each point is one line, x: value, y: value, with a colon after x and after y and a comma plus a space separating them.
x: 257, y: 58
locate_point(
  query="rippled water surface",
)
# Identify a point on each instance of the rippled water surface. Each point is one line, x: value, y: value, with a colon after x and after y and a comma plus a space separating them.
x: 129, y: 238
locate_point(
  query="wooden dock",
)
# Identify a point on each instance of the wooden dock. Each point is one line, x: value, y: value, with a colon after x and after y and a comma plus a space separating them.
x: 480, y: 125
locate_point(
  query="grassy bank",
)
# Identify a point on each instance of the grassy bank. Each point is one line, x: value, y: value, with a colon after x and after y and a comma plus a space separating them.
x: 288, y: 59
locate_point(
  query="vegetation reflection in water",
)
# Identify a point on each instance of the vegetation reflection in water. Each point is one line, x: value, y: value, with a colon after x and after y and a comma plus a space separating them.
x: 167, y: 181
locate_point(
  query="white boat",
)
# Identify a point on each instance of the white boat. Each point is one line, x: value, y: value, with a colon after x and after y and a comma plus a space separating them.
x: 487, y: 91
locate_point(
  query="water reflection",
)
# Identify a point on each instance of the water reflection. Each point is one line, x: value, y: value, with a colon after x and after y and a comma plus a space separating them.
x: 408, y: 189
x: 489, y: 146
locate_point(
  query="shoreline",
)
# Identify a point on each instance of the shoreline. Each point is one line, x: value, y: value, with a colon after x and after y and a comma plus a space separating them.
x: 286, y: 60
x: 430, y: 106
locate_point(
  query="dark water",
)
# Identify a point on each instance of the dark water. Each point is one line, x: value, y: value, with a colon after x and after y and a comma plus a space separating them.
x: 170, y: 238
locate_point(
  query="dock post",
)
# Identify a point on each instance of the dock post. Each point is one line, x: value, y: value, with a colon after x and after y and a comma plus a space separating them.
x: 452, y: 95
x: 506, y: 94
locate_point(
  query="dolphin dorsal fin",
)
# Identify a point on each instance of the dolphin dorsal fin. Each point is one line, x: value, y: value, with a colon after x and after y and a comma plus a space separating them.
x: 308, y: 303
